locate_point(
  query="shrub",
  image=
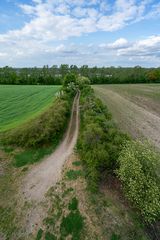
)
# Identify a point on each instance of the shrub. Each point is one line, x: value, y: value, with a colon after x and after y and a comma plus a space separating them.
x: 70, y: 84
x: 139, y: 169
x: 99, y: 142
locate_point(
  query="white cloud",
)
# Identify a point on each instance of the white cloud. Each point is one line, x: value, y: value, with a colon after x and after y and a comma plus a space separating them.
x: 27, y: 9
x: 119, y: 52
x: 2, y: 54
x: 143, y: 48
x: 119, y: 43
x: 61, y: 19
x: 57, y: 20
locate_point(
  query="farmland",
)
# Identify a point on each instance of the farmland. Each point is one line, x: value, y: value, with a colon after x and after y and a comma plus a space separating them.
x: 94, y: 192
x: 21, y: 103
x: 135, y: 108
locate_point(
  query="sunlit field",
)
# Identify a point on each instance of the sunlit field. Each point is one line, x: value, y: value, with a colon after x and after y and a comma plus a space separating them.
x: 18, y: 104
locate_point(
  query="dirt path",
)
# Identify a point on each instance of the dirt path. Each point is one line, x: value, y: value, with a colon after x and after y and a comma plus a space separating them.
x: 132, y: 118
x: 45, y: 174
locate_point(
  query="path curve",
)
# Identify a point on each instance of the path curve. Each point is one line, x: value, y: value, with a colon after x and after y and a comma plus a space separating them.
x: 45, y: 174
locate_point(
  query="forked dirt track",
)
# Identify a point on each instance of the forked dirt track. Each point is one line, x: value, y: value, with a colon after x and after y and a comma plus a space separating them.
x: 132, y: 118
x: 46, y: 173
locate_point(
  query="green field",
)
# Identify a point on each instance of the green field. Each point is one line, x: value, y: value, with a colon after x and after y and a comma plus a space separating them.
x: 19, y: 104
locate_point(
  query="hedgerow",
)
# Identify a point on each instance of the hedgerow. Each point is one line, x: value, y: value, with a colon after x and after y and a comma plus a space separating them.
x: 99, y: 142
x: 139, y: 171
x: 103, y: 148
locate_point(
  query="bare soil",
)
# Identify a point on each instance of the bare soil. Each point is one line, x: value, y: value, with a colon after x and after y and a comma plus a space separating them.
x: 131, y: 117
x: 44, y: 175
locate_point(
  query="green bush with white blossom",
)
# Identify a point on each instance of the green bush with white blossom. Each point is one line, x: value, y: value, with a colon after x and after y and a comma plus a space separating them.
x: 139, y: 171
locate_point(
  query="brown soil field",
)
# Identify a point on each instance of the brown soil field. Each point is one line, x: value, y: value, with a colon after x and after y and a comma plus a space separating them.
x: 135, y: 108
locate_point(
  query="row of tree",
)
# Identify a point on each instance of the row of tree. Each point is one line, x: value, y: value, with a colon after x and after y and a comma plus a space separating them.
x: 98, y: 75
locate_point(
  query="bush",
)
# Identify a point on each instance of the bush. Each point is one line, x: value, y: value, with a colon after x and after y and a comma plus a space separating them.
x: 100, y: 142
x: 139, y: 171
x: 70, y: 84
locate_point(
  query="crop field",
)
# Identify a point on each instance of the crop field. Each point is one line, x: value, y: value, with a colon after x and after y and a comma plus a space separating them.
x: 135, y: 108
x: 18, y: 104
x: 46, y: 192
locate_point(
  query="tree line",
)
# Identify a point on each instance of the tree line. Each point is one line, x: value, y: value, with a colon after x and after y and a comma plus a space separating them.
x: 97, y: 75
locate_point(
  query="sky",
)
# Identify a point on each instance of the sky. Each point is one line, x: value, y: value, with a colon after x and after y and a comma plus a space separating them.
x: 79, y: 32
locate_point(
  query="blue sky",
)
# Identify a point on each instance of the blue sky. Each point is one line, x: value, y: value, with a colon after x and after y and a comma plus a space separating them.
x: 93, y: 32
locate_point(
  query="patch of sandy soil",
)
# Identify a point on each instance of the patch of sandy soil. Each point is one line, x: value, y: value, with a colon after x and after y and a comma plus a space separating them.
x: 44, y: 175
x: 134, y: 119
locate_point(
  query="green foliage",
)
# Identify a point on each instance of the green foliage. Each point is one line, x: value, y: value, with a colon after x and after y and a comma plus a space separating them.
x: 99, y: 142
x: 77, y: 163
x: 139, y: 171
x: 69, y: 78
x: 74, y: 174
x: 31, y: 156
x: 22, y: 103
x: 73, y: 205
x: 115, y: 237
x: 82, y: 82
x: 97, y: 75
x: 39, y: 234
x: 47, y: 128
x: 50, y: 236
x: 70, y: 84
x: 72, y: 224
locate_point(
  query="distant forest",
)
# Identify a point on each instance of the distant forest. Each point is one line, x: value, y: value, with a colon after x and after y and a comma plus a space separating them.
x: 98, y: 75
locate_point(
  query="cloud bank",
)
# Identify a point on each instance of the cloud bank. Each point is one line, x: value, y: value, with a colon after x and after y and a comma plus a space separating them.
x: 52, y: 22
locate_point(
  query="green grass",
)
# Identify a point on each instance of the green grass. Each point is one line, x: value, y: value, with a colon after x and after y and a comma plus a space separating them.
x: 73, y: 205
x: 39, y: 234
x: 8, y: 202
x: 31, y: 156
x: 49, y: 236
x: 77, y: 163
x: 115, y: 237
x: 74, y: 174
x: 22, y: 103
x: 72, y: 224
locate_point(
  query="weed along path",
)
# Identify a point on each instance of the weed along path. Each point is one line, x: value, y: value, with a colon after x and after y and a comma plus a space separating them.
x: 45, y: 174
